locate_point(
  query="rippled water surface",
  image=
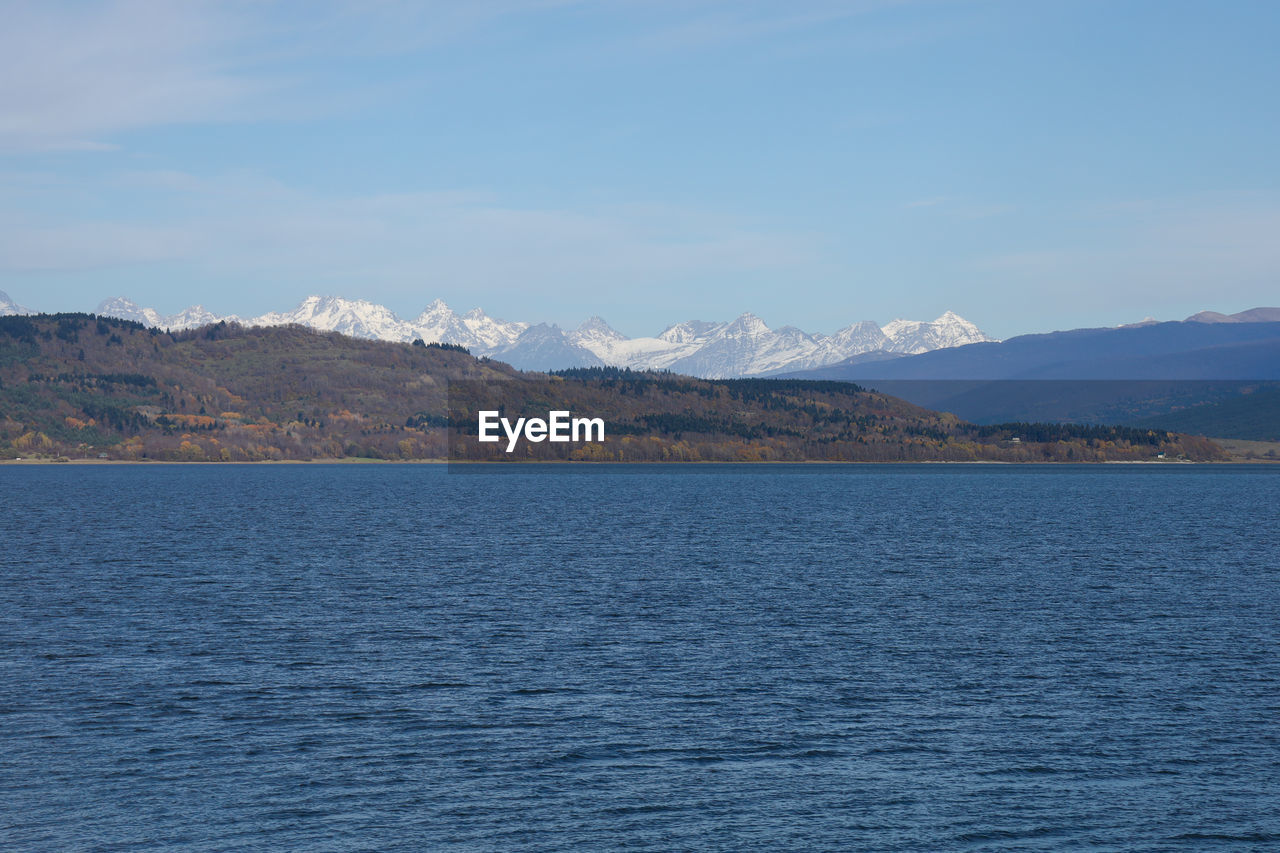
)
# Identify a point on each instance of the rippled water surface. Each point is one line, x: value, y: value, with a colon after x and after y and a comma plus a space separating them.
x: 649, y: 658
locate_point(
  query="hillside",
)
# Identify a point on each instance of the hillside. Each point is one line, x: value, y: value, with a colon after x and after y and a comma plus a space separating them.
x: 1252, y: 415
x: 76, y: 385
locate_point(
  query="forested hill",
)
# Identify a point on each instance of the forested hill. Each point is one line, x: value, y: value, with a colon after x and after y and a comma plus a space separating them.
x: 81, y: 386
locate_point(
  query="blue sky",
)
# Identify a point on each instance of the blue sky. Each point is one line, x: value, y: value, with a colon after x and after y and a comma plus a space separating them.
x: 1032, y: 164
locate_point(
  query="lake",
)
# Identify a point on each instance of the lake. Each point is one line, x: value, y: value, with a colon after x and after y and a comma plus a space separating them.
x: 810, y: 657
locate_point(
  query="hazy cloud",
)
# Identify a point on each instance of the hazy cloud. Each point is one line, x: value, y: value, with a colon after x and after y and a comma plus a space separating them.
x: 245, y: 225
x: 1169, y: 251
x: 92, y: 245
x: 71, y: 73
x: 74, y: 73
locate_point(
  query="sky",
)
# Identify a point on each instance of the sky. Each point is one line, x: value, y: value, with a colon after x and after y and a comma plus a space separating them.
x: 1030, y: 164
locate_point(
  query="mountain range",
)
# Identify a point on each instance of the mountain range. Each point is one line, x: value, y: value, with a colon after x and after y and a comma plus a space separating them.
x: 94, y: 387
x: 1218, y: 372
x: 745, y: 346
x: 1206, y: 346
x: 1243, y: 346
x: 1213, y: 372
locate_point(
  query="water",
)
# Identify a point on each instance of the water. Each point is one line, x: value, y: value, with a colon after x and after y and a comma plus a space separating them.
x: 649, y: 658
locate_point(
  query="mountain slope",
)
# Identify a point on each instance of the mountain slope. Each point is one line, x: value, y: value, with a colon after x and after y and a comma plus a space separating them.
x: 1253, y: 315
x: 545, y: 347
x: 1253, y: 415
x: 9, y: 308
x: 86, y: 386
x: 949, y: 330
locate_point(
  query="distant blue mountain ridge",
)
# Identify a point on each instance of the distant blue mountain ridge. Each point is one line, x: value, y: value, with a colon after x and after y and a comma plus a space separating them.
x: 1216, y: 374
x: 1177, y: 350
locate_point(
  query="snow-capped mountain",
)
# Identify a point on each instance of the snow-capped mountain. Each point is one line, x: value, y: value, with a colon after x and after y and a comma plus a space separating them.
x: 545, y: 347
x: 745, y: 346
x: 127, y: 309
x: 689, y: 331
x: 850, y: 341
x: 190, y: 318
x: 195, y: 317
x: 8, y: 307
x: 614, y: 348
x: 949, y: 330
x: 595, y: 333
x: 363, y: 319
x: 474, y: 330
x: 355, y: 317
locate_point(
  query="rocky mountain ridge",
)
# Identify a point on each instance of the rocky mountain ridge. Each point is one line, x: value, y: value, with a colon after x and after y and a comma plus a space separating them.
x: 744, y: 346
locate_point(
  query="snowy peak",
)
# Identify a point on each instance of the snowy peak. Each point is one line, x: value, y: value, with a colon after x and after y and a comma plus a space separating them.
x: 8, y: 307
x: 127, y: 309
x: 917, y: 336
x: 596, y: 326
x: 546, y: 347
x: 859, y: 337
x: 436, y: 313
x: 688, y: 332
x: 474, y: 330
x: 189, y: 318
x: 357, y: 318
x: 852, y: 340
x: 595, y: 335
x: 492, y: 332
x: 439, y: 324
x: 744, y: 346
x: 746, y: 324
x: 195, y: 317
